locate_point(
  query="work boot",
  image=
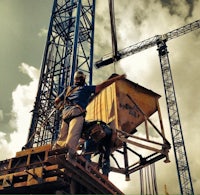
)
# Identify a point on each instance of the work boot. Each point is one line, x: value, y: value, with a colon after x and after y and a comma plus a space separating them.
x: 57, y: 149
x: 105, y: 176
x: 71, y: 154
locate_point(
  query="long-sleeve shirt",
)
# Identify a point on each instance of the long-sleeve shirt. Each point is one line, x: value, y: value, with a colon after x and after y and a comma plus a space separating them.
x: 80, y: 95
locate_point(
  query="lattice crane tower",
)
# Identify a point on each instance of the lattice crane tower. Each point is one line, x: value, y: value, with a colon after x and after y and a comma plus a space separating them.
x: 69, y: 47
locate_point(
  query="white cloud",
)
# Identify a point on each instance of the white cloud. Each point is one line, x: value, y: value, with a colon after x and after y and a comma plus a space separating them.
x: 4, y: 145
x: 23, y: 97
x: 31, y: 71
x: 43, y: 32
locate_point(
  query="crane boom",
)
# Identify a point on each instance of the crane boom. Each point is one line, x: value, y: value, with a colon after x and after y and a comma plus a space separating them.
x: 147, y: 43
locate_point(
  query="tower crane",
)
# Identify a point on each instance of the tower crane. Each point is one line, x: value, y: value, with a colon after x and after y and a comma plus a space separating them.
x: 184, y: 177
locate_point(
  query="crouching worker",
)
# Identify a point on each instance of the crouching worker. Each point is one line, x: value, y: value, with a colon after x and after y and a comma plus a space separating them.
x: 75, y: 99
x: 98, y: 141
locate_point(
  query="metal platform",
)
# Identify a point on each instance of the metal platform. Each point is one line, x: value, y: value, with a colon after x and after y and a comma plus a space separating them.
x: 41, y: 170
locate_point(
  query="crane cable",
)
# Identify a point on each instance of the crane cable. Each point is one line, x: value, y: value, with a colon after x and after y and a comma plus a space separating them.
x: 113, y: 30
x: 148, y: 181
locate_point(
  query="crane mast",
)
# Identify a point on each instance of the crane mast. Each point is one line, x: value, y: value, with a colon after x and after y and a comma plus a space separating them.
x: 69, y: 47
x: 183, y: 171
x: 184, y: 177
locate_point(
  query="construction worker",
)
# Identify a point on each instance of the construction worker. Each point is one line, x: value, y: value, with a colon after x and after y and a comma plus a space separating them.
x: 101, y: 146
x: 75, y: 100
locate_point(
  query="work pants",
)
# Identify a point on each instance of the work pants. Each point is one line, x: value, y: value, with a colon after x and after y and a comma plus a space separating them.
x: 70, y: 131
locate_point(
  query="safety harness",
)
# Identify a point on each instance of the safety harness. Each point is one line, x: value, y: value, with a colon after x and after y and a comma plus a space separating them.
x: 69, y: 91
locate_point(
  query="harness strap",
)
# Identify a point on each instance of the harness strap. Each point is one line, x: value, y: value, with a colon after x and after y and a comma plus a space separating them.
x: 69, y: 91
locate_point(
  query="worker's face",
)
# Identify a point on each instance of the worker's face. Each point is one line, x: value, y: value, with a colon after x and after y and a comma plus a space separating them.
x: 80, y: 81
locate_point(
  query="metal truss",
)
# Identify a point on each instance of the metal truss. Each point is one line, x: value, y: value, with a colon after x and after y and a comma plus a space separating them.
x: 184, y: 176
x: 69, y: 47
x: 147, y: 43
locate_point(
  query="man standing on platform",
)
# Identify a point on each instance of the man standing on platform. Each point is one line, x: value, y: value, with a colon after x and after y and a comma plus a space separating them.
x: 75, y: 100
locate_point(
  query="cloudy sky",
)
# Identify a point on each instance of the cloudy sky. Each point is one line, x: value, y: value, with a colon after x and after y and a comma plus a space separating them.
x: 24, y: 25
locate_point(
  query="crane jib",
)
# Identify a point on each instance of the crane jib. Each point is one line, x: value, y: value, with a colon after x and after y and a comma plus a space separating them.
x: 146, y: 44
